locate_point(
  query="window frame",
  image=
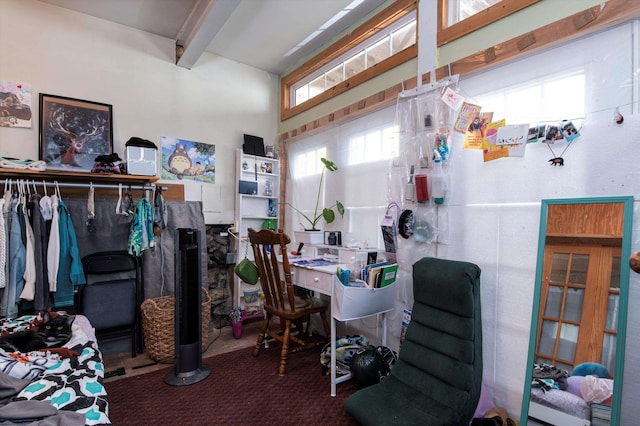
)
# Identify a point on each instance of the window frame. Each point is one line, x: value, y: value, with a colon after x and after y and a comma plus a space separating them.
x: 396, y: 11
x: 481, y: 19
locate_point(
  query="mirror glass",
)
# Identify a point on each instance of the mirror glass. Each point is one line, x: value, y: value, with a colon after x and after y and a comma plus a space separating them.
x: 579, y: 312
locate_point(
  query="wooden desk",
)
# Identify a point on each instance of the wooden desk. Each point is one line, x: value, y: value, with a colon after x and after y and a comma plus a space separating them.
x: 323, y: 280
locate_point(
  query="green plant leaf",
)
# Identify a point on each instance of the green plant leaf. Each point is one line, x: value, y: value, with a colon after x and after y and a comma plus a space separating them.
x: 340, y: 208
x: 330, y: 165
x: 329, y: 215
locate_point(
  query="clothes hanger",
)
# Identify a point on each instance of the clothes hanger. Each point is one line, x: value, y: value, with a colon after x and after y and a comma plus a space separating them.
x: 58, y: 191
x: 91, y: 223
x: 46, y: 205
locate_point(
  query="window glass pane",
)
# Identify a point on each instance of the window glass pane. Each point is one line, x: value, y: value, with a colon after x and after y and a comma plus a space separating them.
x: 555, y: 102
x: 354, y: 65
x: 374, y: 145
x: 302, y: 94
x: 548, y: 338
x: 609, y: 352
x: 308, y: 163
x: 378, y: 52
x: 335, y: 76
x: 567, y: 343
x: 316, y: 86
x: 613, y: 305
x: 559, y: 268
x: 579, y: 266
x: 573, y: 305
x: 462, y: 9
x: 403, y: 38
x: 539, y: 102
x: 614, y: 281
x: 526, y: 102
x: 554, y: 302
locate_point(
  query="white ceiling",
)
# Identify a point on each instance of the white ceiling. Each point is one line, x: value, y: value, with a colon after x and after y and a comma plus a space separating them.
x: 254, y: 32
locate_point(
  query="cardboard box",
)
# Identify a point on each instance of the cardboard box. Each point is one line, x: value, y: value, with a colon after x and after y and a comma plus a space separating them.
x: 357, y: 302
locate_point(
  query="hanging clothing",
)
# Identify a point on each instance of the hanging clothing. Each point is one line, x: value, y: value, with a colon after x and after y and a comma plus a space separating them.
x: 40, y: 237
x: 3, y: 245
x: 70, y: 272
x: 29, y: 288
x: 53, y: 248
x: 160, y: 215
x: 141, y: 233
x: 17, y: 260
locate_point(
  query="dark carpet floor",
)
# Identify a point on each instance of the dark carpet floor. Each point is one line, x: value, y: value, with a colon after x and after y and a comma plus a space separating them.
x: 241, y: 390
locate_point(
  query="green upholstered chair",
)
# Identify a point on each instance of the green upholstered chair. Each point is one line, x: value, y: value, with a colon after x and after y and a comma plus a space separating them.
x: 438, y: 375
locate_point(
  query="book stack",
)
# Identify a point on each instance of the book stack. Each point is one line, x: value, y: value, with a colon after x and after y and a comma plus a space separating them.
x: 380, y: 275
x: 600, y: 414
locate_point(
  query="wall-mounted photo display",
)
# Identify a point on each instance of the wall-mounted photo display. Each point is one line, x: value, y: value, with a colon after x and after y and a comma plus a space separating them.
x: 73, y: 132
x: 15, y: 104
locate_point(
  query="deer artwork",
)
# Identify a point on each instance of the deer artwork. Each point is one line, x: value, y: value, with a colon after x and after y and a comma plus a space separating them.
x: 77, y: 137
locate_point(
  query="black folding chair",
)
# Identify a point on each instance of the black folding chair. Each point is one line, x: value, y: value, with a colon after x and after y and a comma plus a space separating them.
x: 112, y: 296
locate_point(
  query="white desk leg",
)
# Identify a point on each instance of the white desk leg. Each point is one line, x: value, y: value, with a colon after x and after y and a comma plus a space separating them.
x: 333, y: 356
x: 384, y: 329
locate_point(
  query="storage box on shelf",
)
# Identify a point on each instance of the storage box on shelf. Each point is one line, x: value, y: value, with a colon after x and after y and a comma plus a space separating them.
x: 257, y: 201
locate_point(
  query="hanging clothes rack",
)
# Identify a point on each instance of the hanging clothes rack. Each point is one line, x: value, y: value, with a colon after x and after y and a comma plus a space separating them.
x: 145, y: 187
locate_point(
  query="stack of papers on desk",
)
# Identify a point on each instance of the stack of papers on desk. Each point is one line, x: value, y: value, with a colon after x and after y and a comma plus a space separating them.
x: 311, y: 263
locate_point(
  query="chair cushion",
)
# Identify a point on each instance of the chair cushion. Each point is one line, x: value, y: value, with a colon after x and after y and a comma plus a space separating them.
x: 109, y: 304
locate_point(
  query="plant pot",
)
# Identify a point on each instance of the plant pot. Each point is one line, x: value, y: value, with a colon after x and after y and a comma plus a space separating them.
x: 309, y: 237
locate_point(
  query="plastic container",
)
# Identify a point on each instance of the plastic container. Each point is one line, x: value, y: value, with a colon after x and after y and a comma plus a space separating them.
x: 251, y: 295
x: 438, y: 184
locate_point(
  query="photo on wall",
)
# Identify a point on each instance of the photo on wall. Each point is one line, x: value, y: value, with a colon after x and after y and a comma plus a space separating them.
x: 15, y: 104
x: 188, y: 160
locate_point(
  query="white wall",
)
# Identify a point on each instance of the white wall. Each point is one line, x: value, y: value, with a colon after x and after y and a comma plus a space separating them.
x: 494, y: 207
x: 65, y: 53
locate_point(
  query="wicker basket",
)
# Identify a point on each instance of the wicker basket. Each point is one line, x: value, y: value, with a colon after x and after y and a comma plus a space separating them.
x: 158, y: 324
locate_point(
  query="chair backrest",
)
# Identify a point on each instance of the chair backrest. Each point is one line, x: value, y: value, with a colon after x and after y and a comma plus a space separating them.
x: 111, y: 297
x: 275, y: 276
x: 441, y: 356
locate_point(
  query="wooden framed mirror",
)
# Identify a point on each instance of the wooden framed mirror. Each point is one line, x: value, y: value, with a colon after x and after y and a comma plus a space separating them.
x: 580, y: 304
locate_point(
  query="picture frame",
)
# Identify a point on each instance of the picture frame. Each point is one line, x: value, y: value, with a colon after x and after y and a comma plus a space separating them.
x: 73, y: 132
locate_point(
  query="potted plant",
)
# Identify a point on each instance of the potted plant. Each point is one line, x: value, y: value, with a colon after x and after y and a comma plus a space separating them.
x: 326, y: 213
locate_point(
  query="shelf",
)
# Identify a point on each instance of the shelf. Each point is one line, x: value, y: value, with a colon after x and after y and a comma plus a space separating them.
x: 273, y: 197
x: 63, y: 176
x: 245, y: 217
x: 261, y: 174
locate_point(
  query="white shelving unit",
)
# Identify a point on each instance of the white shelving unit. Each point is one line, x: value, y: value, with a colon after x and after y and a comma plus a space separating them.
x: 260, y: 177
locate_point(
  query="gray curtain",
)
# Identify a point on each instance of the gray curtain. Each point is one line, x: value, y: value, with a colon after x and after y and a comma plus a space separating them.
x: 112, y: 233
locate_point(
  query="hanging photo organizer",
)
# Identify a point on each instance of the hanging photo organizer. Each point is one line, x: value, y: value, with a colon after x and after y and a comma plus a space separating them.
x: 419, y: 176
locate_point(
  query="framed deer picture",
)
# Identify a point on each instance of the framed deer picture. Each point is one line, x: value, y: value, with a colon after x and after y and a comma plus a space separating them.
x: 74, y: 132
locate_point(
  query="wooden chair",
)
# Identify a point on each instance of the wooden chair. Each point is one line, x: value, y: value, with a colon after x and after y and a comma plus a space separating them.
x: 279, y: 297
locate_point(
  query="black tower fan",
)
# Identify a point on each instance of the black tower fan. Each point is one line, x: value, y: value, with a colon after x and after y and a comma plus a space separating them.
x: 188, y: 320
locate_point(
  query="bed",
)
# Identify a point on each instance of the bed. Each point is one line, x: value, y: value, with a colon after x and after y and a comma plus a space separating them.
x: 569, y: 407
x: 67, y: 388
x: 558, y: 407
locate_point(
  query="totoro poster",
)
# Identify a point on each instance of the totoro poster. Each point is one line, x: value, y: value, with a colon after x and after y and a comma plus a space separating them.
x: 188, y: 160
